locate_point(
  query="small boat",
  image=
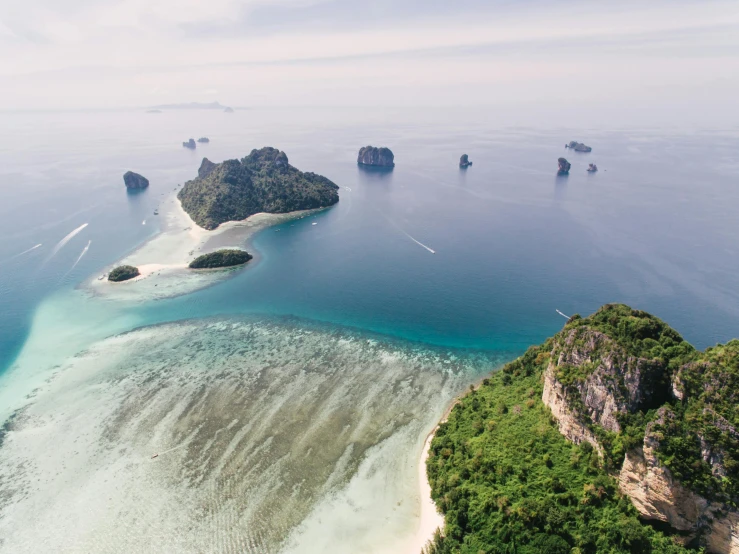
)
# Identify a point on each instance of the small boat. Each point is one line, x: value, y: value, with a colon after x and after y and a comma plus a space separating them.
x: 314, y: 223
x: 154, y: 456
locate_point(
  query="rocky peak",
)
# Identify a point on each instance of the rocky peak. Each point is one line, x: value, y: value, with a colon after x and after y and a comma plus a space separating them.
x: 563, y: 166
x: 206, y: 167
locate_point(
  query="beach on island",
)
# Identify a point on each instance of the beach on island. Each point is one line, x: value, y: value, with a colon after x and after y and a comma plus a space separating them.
x: 163, y: 260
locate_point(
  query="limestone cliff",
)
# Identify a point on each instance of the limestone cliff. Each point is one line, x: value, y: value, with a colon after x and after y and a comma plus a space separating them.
x: 376, y: 157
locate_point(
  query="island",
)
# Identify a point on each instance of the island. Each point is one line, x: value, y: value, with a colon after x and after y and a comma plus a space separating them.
x: 263, y: 181
x: 123, y: 273
x: 190, y: 144
x: 153, y: 111
x: 464, y: 161
x: 376, y: 157
x: 203, y: 139
x: 229, y: 110
x: 578, y: 146
x: 592, y: 168
x: 221, y: 258
x: 134, y: 180
x: 615, y: 435
x: 563, y: 166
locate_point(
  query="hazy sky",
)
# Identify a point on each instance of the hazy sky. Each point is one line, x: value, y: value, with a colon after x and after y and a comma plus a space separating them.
x: 676, y: 55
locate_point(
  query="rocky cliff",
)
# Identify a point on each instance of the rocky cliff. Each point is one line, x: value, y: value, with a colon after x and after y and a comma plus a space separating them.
x: 376, y: 157
x: 263, y: 181
x: 563, y: 166
x: 659, y: 414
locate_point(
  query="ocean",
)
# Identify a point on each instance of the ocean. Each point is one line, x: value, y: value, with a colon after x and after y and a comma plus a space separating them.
x: 415, y: 285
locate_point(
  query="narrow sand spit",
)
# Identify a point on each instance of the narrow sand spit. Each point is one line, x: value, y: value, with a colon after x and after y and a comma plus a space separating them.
x: 430, y: 519
x: 163, y: 260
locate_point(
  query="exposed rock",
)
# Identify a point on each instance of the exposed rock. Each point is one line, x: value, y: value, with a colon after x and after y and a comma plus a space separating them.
x: 564, y: 166
x: 464, y: 161
x: 134, y: 180
x: 658, y: 496
x: 205, y: 168
x: 578, y: 146
x: 190, y: 144
x: 377, y: 157
x: 203, y: 139
x: 592, y: 168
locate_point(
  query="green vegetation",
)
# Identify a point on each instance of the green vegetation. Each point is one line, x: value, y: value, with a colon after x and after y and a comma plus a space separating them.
x: 221, y: 258
x: 123, y: 273
x: 507, y: 481
x: 263, y: 181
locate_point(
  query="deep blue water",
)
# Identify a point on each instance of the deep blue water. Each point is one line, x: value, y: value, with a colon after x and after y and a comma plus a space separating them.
x: 656, y: 227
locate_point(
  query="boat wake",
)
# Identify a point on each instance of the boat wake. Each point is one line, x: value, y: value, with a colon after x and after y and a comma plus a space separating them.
x: 66, y: 239
x: 560, y: 313
x: 24, y: 252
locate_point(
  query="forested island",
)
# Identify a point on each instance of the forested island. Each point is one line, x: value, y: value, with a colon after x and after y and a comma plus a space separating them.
x: 123, y: 273
x: 263, y: 181
x: 221, y: 258
x: 615, y: 435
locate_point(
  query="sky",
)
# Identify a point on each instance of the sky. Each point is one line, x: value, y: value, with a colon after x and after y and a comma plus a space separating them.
x: 676, y: 56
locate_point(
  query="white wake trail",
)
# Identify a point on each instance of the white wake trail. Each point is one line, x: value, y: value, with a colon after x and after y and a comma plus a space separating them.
x: 560, y: 313
x: 66, y: 239
x: 24, y: 252
x: 418, y: 242
x: 399, y: 228
x: 84, y: 251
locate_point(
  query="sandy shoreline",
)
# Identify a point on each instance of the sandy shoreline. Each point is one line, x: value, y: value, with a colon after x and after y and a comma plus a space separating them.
x: 163, y: 260
x: 430, y: 519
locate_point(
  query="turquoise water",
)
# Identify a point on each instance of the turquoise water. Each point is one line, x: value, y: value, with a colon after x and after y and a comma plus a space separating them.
x: 289, y: 403
x: 654, y: 228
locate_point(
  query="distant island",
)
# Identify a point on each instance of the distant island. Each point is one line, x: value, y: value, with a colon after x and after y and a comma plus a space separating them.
x: 578, y: 146
x: 203, y: 139
x: 464, y: 161
x: 190, y: 144
x: 229, y: 110
x: 153, y: 111
x: 123, y: 273
x: 563, y: 166
x: 221, y: 258
x: 615, y: 435
x: 192, y: 106
x: 376, y: 157
x: 263, y: 181
x: 592, y: 168
x: 134, y: 180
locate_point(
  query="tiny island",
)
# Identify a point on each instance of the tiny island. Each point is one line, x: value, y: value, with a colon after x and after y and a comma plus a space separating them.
x: 203, y: 139
x: 464, y: 161
x: 135, y: 181
x: 123, y: 273
x: 190, y: 144
x: 227, y: 257
x: 372, y: 156
x: 563, y: 166
x: 578, y: 146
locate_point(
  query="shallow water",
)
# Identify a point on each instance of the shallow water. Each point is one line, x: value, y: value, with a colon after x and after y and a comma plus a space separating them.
x: 260, y: 425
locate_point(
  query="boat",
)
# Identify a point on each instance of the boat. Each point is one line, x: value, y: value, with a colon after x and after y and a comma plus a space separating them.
x: 154, y: 456
x: 156, y: 212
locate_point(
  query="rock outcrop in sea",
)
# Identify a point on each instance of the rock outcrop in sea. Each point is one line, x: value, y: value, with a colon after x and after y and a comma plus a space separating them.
x: 464, y: 161
x: 203, y: 139
x: 563, y: 166
x: 228, y: 110
x: 190, y: 144
x: 376, y: 157
x: 263, y: 181
x: 134, y: 180
x: 592, y: 168
x: 578, y: 146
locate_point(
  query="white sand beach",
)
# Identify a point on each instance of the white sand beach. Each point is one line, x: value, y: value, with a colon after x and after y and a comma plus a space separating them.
x: 163, y: 260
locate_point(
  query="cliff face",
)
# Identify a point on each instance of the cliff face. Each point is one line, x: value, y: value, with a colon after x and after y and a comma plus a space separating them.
x: 134, y: 180
x: 609, y: 373
x: 378, y: 157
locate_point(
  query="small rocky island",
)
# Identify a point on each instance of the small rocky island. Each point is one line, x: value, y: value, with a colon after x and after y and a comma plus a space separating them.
x: 229, y: 110
x: 578, y: 146
x: 203, y: 139
x: 123, y: 273
x: 135, y: 181
x: 190, y: 144
x: 372, y: 156
x: 464, y: 161
x: 592, y: 168
x: 563, y: 167
x: 263, y: 181
x: 221, y: 258
x: 615, y: 435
